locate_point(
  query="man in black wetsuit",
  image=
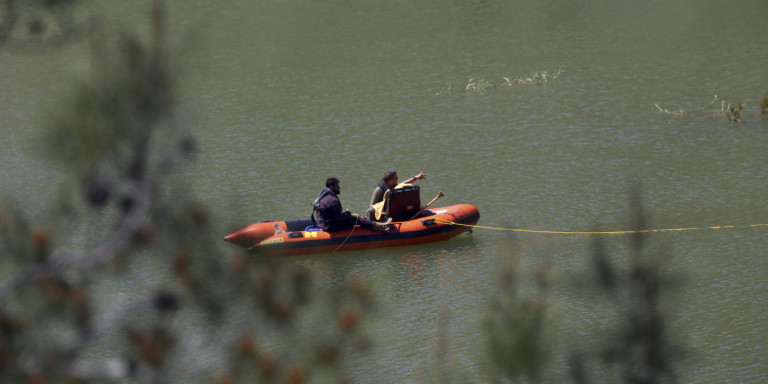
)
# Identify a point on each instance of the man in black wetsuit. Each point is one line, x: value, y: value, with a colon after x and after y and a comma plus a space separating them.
x: 330, y: 216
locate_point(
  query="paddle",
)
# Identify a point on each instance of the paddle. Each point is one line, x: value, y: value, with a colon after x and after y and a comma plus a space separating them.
x: 439, y: 195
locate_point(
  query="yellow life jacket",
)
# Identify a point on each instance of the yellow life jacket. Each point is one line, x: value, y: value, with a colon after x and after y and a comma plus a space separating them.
x: 382, y: 206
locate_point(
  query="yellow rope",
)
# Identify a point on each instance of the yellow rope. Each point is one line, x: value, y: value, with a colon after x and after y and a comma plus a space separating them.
x: 350, y: 234
x: 597, y: 232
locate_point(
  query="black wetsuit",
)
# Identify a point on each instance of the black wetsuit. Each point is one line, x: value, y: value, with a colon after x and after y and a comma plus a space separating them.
x: 331, y: 217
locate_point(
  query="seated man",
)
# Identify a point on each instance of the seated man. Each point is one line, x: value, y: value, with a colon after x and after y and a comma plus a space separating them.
x: 330, y: 217
x: 379, y: 207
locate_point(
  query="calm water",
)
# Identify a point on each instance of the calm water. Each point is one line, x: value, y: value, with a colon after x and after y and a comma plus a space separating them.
x: 288, y: 93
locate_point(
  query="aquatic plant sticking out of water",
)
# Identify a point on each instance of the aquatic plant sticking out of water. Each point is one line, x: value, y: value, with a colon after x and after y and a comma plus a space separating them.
x: 477, y: 86
x: 532, y: 78
x: 536, y: 77
x: 734, y: 112
x: 446, y: 91
x: 683, y: 112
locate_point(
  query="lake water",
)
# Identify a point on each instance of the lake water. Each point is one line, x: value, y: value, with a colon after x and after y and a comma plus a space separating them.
x: 288, y: 93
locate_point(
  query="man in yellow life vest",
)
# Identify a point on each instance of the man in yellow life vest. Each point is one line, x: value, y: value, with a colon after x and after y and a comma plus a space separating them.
x: 378, y: 207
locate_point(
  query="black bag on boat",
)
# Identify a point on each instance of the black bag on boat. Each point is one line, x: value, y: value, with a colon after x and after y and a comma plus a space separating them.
x: 404, y: 202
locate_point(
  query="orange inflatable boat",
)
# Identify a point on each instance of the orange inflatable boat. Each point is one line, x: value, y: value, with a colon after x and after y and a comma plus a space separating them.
x: 300, y: 237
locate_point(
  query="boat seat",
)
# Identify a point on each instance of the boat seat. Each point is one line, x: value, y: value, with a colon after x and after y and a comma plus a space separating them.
x: 404, y: 203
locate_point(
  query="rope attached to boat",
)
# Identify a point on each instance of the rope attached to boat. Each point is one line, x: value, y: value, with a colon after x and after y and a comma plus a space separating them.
x: 348, y: 236
x: 598, y: 232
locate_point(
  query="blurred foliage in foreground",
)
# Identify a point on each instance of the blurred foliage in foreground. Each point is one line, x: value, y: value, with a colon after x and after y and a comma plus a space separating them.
x: 69, y: 308
x: 122, y: 141
x: 636, y: 348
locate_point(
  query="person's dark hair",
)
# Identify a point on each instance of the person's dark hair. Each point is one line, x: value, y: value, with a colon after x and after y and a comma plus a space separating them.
x: 388, y: 175
x: 331, y: 181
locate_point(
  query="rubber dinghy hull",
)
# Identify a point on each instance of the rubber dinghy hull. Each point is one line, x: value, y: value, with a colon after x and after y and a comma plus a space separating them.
x: 288, y: 238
